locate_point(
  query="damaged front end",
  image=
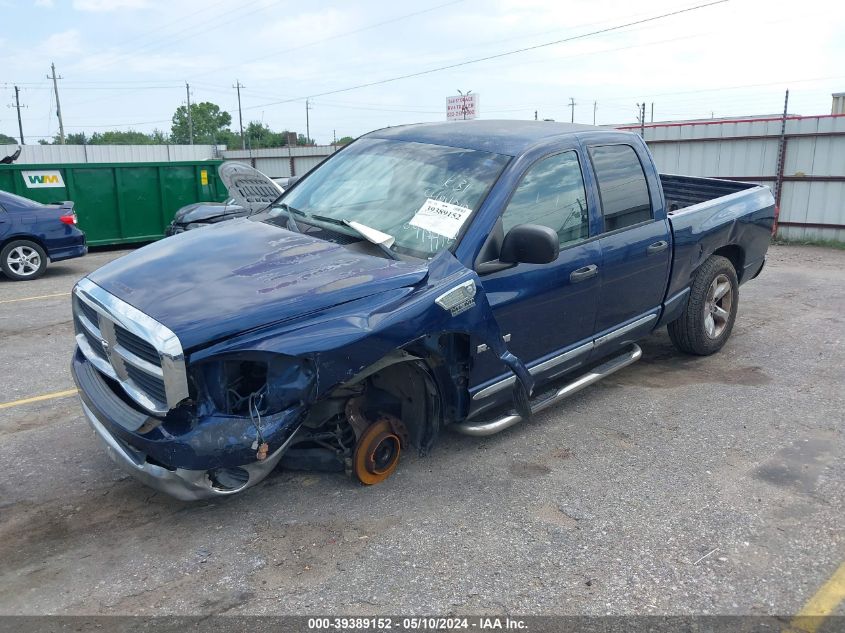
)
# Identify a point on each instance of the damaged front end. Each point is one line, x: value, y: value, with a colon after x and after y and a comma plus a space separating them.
x: 196, y: 450
x: 345, y: 387
x: 195, y: 430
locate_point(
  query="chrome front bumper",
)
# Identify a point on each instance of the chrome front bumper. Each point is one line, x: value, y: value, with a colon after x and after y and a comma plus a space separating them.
x: 187, y: 485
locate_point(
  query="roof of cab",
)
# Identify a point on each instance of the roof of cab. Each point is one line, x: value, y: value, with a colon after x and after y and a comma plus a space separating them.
x: 508, y: 137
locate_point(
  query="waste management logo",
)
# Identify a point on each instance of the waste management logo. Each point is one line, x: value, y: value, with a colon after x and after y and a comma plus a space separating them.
x: 42, y: 179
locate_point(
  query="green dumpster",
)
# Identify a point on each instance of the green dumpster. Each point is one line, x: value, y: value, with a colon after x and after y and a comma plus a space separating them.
x: 118, y: 203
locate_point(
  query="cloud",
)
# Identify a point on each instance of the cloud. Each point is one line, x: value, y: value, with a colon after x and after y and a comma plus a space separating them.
x: 61, y: 44
x: 44, y: 3
x: 100, y: 6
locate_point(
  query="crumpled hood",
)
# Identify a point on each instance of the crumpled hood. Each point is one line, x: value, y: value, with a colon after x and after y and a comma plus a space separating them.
x: 200, y: 211
x: 239, y: 275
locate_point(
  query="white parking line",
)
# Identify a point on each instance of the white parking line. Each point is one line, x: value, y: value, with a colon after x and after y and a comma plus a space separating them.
x: 58, y: 294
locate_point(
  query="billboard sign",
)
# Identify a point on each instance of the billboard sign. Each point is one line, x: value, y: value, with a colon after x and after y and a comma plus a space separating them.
x: 462, y: 107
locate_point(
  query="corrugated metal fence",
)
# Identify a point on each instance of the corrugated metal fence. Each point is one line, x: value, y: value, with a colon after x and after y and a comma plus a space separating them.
x: 811, y: 180
x: 282, y: 162
x: 63, y: 154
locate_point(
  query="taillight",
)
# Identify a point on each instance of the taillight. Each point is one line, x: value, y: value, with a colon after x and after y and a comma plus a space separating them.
x: 69, y: 218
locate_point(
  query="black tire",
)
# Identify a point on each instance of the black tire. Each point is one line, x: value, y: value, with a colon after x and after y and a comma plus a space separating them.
x: 25, y: 272
x: 693, y: 332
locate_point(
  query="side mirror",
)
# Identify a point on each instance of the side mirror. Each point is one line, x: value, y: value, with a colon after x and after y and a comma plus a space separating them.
x: 530, y: 244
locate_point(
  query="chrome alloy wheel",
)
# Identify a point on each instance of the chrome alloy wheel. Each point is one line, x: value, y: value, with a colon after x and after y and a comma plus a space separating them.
x: 717, y: 307
x: 24, y: 261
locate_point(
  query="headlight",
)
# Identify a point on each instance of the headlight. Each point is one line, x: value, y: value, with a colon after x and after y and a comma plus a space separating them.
x: 268, y: 383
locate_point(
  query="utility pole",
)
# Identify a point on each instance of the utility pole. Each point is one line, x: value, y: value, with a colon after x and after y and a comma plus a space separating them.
x: 641, y: 118
x: 595, y: 107
x: 781, y: 157
x: 58, y: 105
x: 464, y: 107
x: 535, y: 115
x: 18, y: 107
x: 572, y: 109
x: 190, y: 120
x: 307, y: 122
x: 238, y: 86
x: 652, y: 111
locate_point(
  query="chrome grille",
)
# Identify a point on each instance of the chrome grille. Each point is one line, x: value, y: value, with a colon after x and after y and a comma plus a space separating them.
x: 90, y: 313
x: 131, y: 347
x: 136, y: 345
x: 150, y: 384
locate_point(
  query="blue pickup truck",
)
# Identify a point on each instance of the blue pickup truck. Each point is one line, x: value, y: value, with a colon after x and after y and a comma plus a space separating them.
x: 428, y: 277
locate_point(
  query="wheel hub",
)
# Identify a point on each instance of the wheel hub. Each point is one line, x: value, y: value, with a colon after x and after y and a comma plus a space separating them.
x: 24, y: 261
x: 717, y: 307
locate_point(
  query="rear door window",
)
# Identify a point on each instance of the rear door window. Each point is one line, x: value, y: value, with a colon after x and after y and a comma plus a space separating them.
x: 622, y: 186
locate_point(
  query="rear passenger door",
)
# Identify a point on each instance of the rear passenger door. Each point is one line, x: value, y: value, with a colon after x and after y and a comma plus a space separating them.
x: 635, y: 246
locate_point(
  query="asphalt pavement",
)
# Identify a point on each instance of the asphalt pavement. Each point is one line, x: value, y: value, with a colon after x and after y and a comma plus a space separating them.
x: 680, y: 485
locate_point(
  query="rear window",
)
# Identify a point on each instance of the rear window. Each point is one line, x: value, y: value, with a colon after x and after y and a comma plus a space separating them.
x: 622, y: 186
x: 12, y: 201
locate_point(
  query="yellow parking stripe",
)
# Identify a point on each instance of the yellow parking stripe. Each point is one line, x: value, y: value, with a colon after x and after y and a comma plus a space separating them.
x: 58, y: 294
x: 821, y: 605
x: 46, y: 396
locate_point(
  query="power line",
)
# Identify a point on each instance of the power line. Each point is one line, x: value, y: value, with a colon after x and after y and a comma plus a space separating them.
x: 498, y: 55
x: 200, y: 28
x: 337, y: 36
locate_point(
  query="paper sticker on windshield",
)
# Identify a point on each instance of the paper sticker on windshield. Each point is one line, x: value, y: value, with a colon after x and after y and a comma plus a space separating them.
x: 443, y: 218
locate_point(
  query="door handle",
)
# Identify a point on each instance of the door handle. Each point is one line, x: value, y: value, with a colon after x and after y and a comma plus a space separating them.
x: 583, y: 274
x: 657, y: 247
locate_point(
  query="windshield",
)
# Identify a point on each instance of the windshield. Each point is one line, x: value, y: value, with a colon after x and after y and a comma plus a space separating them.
x: 419, y: 194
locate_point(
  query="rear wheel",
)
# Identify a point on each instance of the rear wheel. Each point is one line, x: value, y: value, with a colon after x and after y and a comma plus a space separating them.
x: 22, y: 259
x: 707, y: 321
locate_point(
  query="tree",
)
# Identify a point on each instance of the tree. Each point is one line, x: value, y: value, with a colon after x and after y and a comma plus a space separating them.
x: 301, y: 139
x: 259, y: 135
x: 8, y: 140
x: 159, y: 137
x: 111, y: 137
x: 210, y: 124
x: 118, y: 137
x: 345, y: 140
x: 74, y: 138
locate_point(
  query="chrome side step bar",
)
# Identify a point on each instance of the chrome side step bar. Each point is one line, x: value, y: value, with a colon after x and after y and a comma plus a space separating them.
x: 482, y: 429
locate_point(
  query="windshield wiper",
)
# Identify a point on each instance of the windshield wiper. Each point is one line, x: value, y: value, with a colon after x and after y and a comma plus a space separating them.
x: 361, y: 230
x: 290, y: 211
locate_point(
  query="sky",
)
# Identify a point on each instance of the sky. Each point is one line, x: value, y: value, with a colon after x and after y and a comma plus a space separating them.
x: 124, y: 63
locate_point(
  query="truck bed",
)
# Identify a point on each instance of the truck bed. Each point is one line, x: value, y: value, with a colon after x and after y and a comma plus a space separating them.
x: 686, y: 191
x: 707, y: 214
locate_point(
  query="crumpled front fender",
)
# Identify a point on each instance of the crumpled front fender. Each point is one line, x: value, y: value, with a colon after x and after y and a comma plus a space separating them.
x: 347, y: 338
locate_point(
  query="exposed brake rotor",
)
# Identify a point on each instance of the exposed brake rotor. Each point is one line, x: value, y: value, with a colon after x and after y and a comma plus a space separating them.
x: 378, y: 444
x: 377, y: 451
